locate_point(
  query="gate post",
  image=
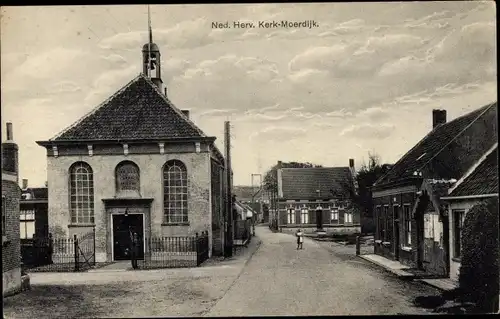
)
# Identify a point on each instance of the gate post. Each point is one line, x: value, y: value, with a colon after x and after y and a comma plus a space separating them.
x: 134, y: 250
x: 93, y: 233
x: 358, y: 244
x: 75, y: 244
x: 197, y: 250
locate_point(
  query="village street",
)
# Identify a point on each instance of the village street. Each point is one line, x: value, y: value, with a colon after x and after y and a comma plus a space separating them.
x: 322, y: 279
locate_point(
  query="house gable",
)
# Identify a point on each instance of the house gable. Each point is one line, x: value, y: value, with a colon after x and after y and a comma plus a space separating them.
x: 447, y: 150
x: 482, y: 179
x: 136, y: 111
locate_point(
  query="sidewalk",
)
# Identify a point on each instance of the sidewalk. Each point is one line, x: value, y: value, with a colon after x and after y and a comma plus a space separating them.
x: 122, y: 272
x: 405, y: 272
x: 444, y: 284
x: 392, y: 266
x: 241, y: 255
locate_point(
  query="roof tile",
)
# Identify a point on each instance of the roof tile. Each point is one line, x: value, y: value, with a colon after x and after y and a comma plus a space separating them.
x: 483, y: 180
x: 302, y: 183
x: 137, y: 111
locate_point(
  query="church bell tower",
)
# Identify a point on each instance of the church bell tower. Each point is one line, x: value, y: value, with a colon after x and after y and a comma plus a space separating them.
x: 151, y: 59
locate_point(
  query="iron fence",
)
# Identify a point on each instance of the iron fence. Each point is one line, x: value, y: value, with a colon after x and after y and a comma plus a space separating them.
x: 170, y: 252
x: 49, y: 254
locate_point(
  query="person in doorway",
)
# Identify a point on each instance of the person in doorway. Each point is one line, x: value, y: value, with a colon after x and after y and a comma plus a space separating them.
x: 300, y: 239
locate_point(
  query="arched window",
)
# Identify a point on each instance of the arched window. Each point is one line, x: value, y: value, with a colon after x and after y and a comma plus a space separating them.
x: 81, y: 193
x: 175, y: 192
x: 127, y: 179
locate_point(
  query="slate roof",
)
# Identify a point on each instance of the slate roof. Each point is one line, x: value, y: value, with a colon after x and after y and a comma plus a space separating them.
x: 483, y: 180
x: 302, y: 183
x: 137, y: 111
x: 430, y: 150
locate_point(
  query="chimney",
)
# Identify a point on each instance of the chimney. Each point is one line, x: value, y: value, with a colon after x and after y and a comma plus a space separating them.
x: 25, y: 183
x: 280, y: 164
x: 10, y: 156
x: 438, y: 117
x: 165, y: 89
x: 185, y: 112
x: 351, y: 163
x: 10, y: 133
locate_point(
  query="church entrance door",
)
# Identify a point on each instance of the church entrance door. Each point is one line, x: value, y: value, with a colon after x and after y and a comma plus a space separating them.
x: 123, y: 228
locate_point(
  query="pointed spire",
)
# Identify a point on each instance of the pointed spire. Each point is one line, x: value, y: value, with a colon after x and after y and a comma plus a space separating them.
x: 150, y: 65
x: 149, y: 27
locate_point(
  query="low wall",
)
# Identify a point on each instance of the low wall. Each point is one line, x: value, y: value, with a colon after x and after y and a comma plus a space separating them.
x: 161, y: 256
x: 330, y: 230
x: 11, y: 281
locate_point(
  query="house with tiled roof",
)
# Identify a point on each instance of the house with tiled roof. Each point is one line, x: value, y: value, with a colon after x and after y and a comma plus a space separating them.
x: 34, y: 207
x: 135, y: 163
x: 317, y: 199
x: 412, y: 224
x: 479, y: 183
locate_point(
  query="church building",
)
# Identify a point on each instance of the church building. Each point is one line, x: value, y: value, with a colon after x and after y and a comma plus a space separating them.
x: 135, y: 162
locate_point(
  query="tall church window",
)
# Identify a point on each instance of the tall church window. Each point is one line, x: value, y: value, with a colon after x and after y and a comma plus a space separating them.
x: 175, y: 192
x: 127, y: 178
x: 81, y: 194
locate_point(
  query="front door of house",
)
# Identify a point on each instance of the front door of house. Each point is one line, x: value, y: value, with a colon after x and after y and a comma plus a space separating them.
x: 123, y: 228
x: 396, y: 231
x: 319, y: 219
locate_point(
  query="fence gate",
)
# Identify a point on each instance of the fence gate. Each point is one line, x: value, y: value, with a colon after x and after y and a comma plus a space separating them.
x: 85, y: 250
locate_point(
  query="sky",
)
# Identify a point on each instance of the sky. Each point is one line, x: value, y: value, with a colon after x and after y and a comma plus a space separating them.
x: 363, y: 80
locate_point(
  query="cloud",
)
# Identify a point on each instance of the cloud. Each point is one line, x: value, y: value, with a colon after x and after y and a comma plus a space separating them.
x: 339, y: 113
x: 64, y: 87
x: 368, y: 131
x: 278, y: 134
x: 115, y: 59
x: 217, y: 112
x: 404, y: 65
x: 435, y: 20
x: 229, y: 82
x: 319, y: 58
x: 187, y: 34
x: 108, y: 83
x: 374, y: 113
x: 37, y: 69
x: 472, y: 44
x: 173, y: 67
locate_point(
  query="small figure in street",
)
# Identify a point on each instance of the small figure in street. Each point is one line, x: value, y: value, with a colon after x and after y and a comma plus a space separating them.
x: 300, y: 239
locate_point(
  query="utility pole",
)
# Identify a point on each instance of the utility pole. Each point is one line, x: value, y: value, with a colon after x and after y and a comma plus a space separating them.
x: 228, y: 242
x: 253, y: 199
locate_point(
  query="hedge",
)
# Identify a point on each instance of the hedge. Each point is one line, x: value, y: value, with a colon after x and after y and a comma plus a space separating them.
x: 479, y: 270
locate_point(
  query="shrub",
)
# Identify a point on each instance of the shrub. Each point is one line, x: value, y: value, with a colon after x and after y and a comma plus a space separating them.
x: 479, y: 270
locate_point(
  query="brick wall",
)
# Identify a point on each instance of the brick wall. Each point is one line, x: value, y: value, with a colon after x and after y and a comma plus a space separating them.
x: 311, y: 206
x: 11, y: 251
x: 406, y: 255
x: 11, y: 196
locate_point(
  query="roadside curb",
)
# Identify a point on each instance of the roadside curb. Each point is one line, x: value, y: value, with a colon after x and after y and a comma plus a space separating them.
x: 398, y: 272
x: 436, y: 284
